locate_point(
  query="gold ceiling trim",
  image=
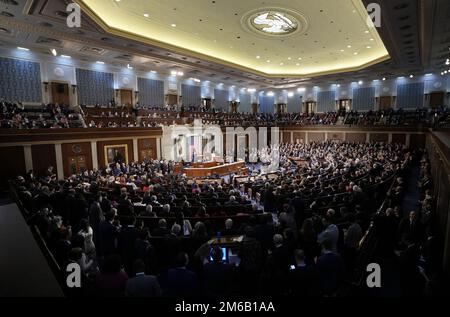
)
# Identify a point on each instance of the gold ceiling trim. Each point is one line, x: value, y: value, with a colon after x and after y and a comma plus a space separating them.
x: 180, y: 50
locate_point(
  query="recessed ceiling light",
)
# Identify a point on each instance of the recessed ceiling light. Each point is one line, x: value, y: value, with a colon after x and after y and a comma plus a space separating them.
x: 401, y: 77
x: 360, y: 82
x: 301, y: 89
x: 339, y: 85
x: 289, y: 58
x: 173, y: 25
x: 290, y: 94
x: 298, y: 64
x: 368, y: 46
x: 299, y: 58
x: 342, y: 50
x: 281, y: 63
x: 153, y: 71
x: 54, y: 53
x: 173, y: 72
x: 355, y: 53
x: 268, y: 61
x: 129, y: 67
x: 384, y: 78
x: 258, y: 57
x: 349, y: 46
x: 371, y: 40
x: 411, y: 76
x: 430, y: 74
x: 366, y: 32
x: 23, y: 48
x: 270, y: 93
x: 66, y: 56
x: 100, y: 62
x: 146, y: 15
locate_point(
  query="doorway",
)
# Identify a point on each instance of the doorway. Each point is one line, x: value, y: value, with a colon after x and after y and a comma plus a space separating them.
x: 126, y: 97
x: 171, y: 99
x: 310, y: 107
x: 60, y: 93
x: 77, y: 164
x: 385, y: 102
x: 436, y: 99
x: 344, y: 105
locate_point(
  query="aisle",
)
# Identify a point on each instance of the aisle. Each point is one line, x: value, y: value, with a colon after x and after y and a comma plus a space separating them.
x: 24, y: 271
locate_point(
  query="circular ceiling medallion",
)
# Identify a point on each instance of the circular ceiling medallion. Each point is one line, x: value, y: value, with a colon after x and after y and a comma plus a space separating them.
x: 125, y: 80
x: 274, y: 22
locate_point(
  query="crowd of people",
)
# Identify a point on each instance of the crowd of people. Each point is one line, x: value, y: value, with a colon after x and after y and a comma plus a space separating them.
x: 15, y: 115
x: 50, y: 116
x: 140, y: 229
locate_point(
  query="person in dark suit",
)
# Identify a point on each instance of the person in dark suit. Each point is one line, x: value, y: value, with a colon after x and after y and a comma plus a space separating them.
x: 264, y: 233
x: 217, y: 275
x: 277, y: 267
x: 95, y: 218
x: 142, y: 285
x: 126, y: 243
x: 229, y: 230
x: 172, y: 246
x: 411, y: 230
x: 161, y: 231
x: 303, y: 278
x: 331, y: 269
x: 108, y: 235
x: 181, y: 282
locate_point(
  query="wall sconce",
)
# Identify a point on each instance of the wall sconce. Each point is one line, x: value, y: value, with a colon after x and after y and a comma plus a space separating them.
x: 74, y: 87
x: 45, y: 85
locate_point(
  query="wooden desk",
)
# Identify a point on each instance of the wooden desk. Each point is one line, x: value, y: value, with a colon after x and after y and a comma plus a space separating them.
x: 223, y: 169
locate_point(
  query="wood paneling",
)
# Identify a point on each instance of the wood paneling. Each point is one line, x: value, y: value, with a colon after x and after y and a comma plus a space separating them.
x: 436, y: 99
x: 43, y: 157
x: 336, y: 136
x: 286, y: 137
x: 379, y: 137
x: 147, y: 147
x: 101, y: 150
x: 126, y: 97
x: 399, y: 138
x: 316, y: 136
x: 355, y: 137
x: 60, y: 93
x: 385, y: 102
x: 417, y: 140
x: 299, y: 137
x: 82, y: 149
x: 13, y: 163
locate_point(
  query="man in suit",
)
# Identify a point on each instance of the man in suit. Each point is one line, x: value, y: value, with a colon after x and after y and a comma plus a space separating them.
x: 303, y: 278
x: 217, y: 275
x: 108, y: 235
x: 411, y: 230
x: 331, y: 268
x: 142, y: 285
x: 161, y: 231
x: 182, y: 282
x: 172, y: 246
x: 126, y: 243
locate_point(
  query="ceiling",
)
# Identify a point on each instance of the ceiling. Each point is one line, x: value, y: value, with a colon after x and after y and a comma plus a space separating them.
x: 330, y: 36
x: 415, y: 33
